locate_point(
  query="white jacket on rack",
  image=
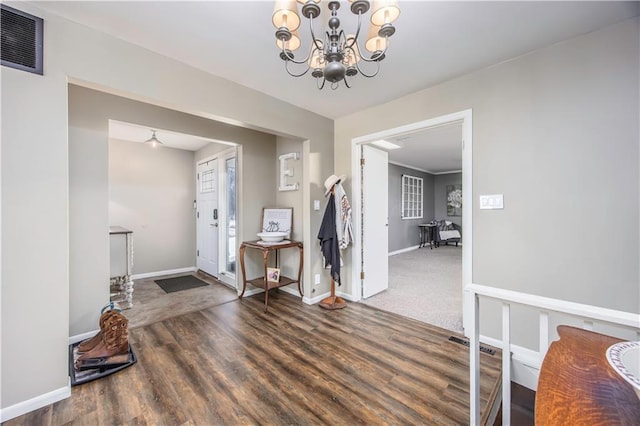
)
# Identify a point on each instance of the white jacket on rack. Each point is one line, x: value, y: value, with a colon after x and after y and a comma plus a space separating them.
x: 344, y: 229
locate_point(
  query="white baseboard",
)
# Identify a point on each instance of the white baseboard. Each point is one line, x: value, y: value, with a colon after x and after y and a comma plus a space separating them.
x: 314, y: 300
x: 525, y: 363
x: 317, y: 299
x: 159, y: 273
x: 346, y: 296
x: 404, y: 250
x: 81, y: 337
x: 33, y: 404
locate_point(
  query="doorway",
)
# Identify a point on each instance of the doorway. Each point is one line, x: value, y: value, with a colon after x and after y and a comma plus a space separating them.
x: 216, y: 216
x: 360, y: 260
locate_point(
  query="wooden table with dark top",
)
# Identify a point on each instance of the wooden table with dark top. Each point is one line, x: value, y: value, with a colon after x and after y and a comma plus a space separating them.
x: 577, y: 386
x: 262, y: 281
x: 427, y: 234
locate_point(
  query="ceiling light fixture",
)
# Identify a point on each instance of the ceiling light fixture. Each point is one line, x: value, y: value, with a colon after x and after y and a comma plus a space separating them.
x: 153, y: 141
x: 385, y: 144
x: 336, y: 56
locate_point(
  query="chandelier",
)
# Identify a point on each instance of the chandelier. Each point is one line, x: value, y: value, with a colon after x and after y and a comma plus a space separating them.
x: 336, y: 56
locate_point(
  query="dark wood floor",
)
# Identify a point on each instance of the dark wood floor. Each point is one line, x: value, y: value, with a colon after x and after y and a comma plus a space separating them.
x: 296, y: 364
x: 522, y: 407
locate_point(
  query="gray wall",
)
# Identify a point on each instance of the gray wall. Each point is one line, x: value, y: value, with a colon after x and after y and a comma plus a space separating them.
x: 136, y: 188
x: 151, y: 192
x: 556, y: 131
x: 89, y: 227
x: 289, y: 257
x: 440, y: 183
x: 36, y: 171
x: 404, y: 233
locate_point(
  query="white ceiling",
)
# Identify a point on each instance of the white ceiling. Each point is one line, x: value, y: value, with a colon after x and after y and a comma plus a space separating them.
x: 434, y: 42
x: 435, y: 150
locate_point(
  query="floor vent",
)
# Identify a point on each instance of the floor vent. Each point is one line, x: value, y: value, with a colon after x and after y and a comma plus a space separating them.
x: 483, y: 348
x: 22, y: 38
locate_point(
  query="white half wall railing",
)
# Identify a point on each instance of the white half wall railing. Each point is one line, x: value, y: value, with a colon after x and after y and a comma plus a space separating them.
x: 544, y: 305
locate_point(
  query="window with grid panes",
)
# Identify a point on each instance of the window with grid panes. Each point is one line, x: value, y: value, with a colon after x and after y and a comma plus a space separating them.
x: 411, y: 197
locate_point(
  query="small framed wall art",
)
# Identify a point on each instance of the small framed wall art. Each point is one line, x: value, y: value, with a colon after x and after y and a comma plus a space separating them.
x: 454, y: 200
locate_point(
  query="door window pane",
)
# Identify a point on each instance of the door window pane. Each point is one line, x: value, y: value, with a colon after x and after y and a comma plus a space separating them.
x: 208, y: 181
x: 230, y: 173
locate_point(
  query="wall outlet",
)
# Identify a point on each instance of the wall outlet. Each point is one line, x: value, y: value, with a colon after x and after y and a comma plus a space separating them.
x: 316, y: 279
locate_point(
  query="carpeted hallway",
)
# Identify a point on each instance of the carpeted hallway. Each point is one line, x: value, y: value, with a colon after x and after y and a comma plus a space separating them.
x: 425, y: 285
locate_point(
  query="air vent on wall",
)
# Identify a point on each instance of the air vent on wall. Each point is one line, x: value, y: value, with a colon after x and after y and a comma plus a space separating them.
x: 22, y: 36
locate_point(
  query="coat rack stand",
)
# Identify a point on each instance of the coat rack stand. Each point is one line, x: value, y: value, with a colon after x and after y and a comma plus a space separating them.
x: 333, y: 301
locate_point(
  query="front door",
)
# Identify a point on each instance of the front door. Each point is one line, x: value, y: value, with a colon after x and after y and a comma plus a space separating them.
x: 375, y: 244
x: 207, y: 217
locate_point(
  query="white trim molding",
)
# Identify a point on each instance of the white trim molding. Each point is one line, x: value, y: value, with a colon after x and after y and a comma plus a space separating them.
x: 33, y: 404
x: 404, y: 250
x: 161, y: 273
x: 466, y: 117
x: 525, y: 363
x: 319, y: 298
x: 515, y: 360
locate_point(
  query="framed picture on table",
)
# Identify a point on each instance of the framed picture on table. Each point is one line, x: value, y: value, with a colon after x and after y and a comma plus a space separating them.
x: 273, y: 275
x: 277, y: 220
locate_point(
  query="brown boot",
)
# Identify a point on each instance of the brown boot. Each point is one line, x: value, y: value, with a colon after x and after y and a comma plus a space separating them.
x: 114, y: 341
x: 91, y: 343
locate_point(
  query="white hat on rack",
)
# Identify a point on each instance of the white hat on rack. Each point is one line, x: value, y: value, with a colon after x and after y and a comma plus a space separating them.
x: 332, y: 180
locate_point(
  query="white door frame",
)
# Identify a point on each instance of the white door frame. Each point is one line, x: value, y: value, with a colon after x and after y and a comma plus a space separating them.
x: 467, y: 194
x: 221, y: 156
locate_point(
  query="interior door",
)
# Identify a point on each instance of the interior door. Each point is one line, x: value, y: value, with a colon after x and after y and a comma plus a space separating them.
x: 375, y: 244
x: 207, y: 217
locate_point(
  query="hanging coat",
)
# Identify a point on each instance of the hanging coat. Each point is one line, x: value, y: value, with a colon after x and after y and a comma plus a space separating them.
x: 329, y: 239
x: 343, y: 217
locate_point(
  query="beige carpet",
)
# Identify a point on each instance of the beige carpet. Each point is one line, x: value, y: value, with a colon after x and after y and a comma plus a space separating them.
x: 151, y: 304
x: 425, y: 285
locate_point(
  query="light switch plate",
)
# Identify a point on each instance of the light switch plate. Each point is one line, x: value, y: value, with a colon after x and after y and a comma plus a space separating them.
x: 316, y: 204
x: 491, y: 202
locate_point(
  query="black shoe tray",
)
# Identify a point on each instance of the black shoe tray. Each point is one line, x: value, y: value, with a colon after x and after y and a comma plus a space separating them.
x: 103, y: 367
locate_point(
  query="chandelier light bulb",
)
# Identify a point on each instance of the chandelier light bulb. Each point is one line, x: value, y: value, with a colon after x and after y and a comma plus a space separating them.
x: 285, y: 15
x: 384, y: 12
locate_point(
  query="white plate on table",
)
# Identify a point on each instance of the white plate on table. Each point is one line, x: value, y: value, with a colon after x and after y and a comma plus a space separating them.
x: 624, y: 357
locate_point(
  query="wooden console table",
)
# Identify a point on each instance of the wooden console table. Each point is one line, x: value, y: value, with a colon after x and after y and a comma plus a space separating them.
x: 577, y: 386
x: 266, y: 248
